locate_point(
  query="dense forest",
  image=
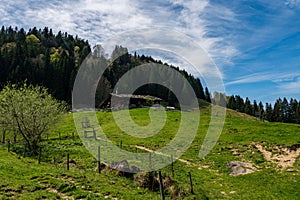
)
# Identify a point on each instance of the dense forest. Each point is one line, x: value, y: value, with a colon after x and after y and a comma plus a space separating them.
x: 44, y: 58
x: 52, y: 60
x: 41, y: 57
x: 125, y: 62
x: 282, y: 111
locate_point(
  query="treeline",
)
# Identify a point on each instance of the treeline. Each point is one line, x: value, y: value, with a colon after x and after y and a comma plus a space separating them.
x: 52, y: 60
x: 282, y: 111
x: 123, y: 61
x: 42, y: 58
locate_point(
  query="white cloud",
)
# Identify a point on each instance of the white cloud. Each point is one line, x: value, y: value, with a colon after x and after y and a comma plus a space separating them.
x: 291, y: 87
x: 97, y: 20
x: 57, y: 18
x: 192, y: 5
x: 282, y: 79
x: 93, y: 20
x: 199, y: 20
x: 292, y: 3
x: 253, y: 78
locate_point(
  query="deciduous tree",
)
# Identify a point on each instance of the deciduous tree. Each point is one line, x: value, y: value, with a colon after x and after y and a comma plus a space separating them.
x: 30, y: 110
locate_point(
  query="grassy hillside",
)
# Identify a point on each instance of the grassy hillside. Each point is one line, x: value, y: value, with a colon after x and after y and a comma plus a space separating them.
x: 241, y: 140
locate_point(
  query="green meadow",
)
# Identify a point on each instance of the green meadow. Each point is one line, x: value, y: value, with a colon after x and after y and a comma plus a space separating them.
x: 21, y: 177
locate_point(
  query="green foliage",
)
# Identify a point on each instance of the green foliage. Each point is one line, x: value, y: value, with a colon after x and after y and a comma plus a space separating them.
x: 23, y: 178
x: 207, y: 95
x: 32, y: 39
x: 41, y: 58
x: 122, y: 62
x: 30, y: 111
x: 76, y: 49
x: 282, y: 111
x: 54, y: 56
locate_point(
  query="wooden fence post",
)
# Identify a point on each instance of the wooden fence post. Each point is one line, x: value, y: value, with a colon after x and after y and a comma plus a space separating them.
x: 24, y: 151
x: 191, y: 183
x: 73, y: 137
x: 120, y: 145
x: 3, y: 136
x: 161, y: 186
x: 99, y: 160
x: 136, y: 151
x: 40, y: 155
x: 172, y: 165
x: 150, y: 164
x: 15, y: 137
x: 8, y: 148
x: 68, y: 160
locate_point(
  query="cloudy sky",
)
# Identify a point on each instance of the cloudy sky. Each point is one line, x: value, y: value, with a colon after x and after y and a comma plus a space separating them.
x: 255, y: 44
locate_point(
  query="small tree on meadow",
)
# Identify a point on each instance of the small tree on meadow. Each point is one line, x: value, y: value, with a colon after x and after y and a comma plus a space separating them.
x: 29, y: 110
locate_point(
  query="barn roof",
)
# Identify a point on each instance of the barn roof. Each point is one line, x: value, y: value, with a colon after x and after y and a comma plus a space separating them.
x: 134, y: 96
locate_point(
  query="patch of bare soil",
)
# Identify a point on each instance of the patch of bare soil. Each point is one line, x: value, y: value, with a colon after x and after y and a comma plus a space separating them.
x: 55, y: 191
x: 284, y: 157
x: 61, y: 195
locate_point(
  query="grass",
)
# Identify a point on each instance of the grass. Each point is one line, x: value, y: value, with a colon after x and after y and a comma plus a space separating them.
x: 24, y: 178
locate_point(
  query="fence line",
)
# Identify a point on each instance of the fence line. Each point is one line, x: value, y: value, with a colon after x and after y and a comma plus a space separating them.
x: 136, y: 150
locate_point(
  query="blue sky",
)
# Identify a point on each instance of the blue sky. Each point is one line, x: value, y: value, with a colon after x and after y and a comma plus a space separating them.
x: 255, y: 44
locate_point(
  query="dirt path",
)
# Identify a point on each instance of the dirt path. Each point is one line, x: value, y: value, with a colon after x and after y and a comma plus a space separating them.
x: 159, y: 153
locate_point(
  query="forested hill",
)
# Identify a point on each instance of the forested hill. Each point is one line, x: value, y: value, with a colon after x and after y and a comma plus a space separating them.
x: 52, y: 60
x: 282, y: 111
x: 41, y: 57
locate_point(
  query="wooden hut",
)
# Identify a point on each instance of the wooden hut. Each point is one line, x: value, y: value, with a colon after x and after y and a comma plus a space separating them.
x: 135, y: 101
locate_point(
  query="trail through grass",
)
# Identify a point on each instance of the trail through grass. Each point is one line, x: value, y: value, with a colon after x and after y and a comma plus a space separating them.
x: 23, y: 178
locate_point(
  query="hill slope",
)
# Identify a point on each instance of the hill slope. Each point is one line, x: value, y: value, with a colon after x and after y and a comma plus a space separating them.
x: 241, y: 140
